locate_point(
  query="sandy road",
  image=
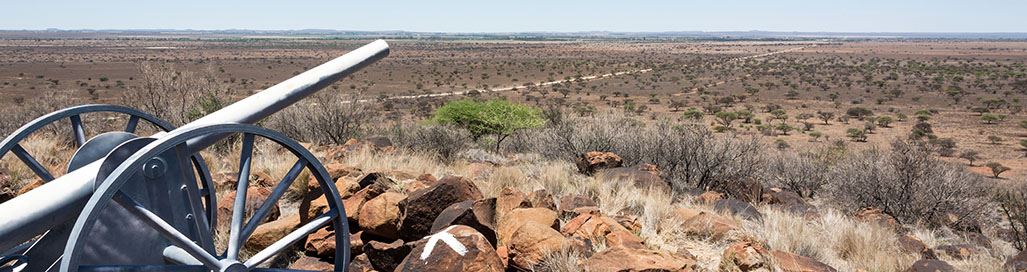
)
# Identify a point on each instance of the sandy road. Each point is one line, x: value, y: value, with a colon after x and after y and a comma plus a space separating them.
x: 584, y: 78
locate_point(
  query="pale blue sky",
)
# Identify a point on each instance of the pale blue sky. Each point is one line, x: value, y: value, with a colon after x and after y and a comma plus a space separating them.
x: 525, y: 15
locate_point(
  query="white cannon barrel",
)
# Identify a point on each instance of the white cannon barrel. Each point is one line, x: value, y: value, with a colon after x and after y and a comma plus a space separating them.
x: 61, y: 200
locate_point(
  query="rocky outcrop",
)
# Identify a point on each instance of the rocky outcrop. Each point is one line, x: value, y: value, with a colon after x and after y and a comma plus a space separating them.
x: 422, y: 206
x: 636, y: 260
x: 877, y: 216
x: 788, y: 262
x: 926, y: 265
x: 745, y: 256
x: 592, y: 161
x: 381, y: 215
x: 455, y: 248
x: 479, y: 215
x: 386, y: 256
x: 531, y: 242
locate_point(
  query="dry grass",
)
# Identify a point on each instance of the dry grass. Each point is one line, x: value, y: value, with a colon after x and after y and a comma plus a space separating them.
x: 51, y: 153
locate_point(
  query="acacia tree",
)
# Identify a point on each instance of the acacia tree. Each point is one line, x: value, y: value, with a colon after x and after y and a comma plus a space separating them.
x: 500, y: 118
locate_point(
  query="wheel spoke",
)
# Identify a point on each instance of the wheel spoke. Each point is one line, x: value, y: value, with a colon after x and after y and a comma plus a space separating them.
x: 78, y: 129
x: 133, y: 122
x: 143, y: 268
x: 169, y: 232
x: 290, y: 239
x: 32, y: 163
x: 245, y: 161
x: 265, y: 207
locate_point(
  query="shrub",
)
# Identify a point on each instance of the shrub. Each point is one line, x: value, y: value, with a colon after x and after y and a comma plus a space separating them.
x: 177, y: 96
x: 857, y: 135
x: 804, y: 174
x: 1013, y: 204
x: 910, y: 184
x: 996, y: 168
x: 858, y: 112
x: 444, y: 142
x: 500, y: 118
x: 327, y: 119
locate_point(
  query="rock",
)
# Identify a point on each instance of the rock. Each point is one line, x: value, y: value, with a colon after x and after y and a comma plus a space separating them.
x: 542, y: 199
x: 748, y: 190
x: 592, y: 161
x: 353, y: 204
x: 479, y: 215
x: 789, y: 201
x: 509, y: 199
x: 504, y: 254
x: 958, y: 251
x: 6, y: 194
x: 686, y: 213
x: 321, y: 243
x: 422, y: 206
x: 911, y: 244
x: 569, y: 203
x: 255, y: 197
x: 631, y: 222
x: 636, y: 260
x: 531, y: 242
x: 312, y: 264
x: 640, y: 178
x: 620, y: 238
x: 709, y: 225
x: 738, y: 208
x: 877, y: 216
x: 381, y: 215
x: 789, y: 262
x: 514, y: 219
x: 266, y: 234
x: 455, y: 248
x: 31, y: 185
x: 709, y: 197
x: 1017, y: 263
x: 591, y: 226
x: 351, y: 201
x: 743, y: 256
x: 360, y: 263
x: 925, y: 265
x: 386, y: 256
x: 380, y: 143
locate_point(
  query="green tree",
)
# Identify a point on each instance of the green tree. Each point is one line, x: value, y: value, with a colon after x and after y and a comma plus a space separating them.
x: 884, y: 121
x: 726, y: 118
x: 858, y: 135
x: 996, y: 168
x: 989, y: 118
x: 500, y: 118
x: 693, y: 114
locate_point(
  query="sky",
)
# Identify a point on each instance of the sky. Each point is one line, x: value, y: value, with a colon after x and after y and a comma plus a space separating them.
x: 525, y: 15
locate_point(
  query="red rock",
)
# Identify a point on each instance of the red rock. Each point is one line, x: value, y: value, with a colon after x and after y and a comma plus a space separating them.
x: 381, y: 215
x: 637, y: 177
x: 959, y: 251
x: 569, y: 203
x: 360, y: 263
x: 509, y: 199
x: 514, y: 219
x: 637, y: 260
x: 321, y: 243
x: 789, y: 262
x: 266, y: 234
x: 470, y: 252
x: 876, y: 215
x: 591, y: 226
x: 592, y: 161
x: 479, y: 215
x: 911, y: 244
x: 312, y: 264
x: 255, y: 197
x: 620, y: 238
x: 422, y: 206
x: 745, y: 256
x: 531, y: 242
x: 541, y: 199
x: 31, y: 185
x: 386, y: 256
x: 709, y: 197
x: 925, y: 265
x: 709, y: 225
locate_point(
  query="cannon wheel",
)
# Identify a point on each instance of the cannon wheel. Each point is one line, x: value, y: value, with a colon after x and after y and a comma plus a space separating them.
x: 187, y: 254
x: 74, y: 114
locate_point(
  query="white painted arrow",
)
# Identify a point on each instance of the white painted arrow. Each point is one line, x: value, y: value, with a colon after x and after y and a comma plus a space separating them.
x: 446, y: 237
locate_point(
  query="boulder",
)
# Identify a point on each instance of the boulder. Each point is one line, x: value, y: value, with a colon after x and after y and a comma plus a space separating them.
x: 877, y: 216
x: 386, y: 256
x: 591, y: 226
x: 709, y: 197
x: 790, y: 202
x: 381, y: 215
x: 637, y: 260
x: 911, y: 244
x: 360, y: 263
x: 509, y: 199
x: 266, y: 234
x: 31, y: 185
x: 351, y: 202
x: 255, y: 197
x: 541, y: 199
x: 744, y: 256
x: 1017, y: 263
x: 531, y: 242
x: 478, y: 214
x: 738, y: 208
x: 958, y: 251
x: 312, y: 264
x: 631, y: 222
x: 684, y: 214
x: 789, y: 262
x: 592, y: 161
x: 517, y: 217
x: 621, y: 238
x: 569, y: 203
x: 638, y: 177
x: 710, y: 225
x: 321, y: 243
x: 455, y: 248
x: 422, y: 206
x: 926, y: 265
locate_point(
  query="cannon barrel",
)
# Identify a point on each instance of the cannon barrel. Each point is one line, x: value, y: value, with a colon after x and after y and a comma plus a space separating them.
x: 62, y: 199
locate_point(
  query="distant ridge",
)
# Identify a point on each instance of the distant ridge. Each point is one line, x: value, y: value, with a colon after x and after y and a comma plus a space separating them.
x: 399, y: 34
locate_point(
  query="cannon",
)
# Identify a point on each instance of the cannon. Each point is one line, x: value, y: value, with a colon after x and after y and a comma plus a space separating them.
x: 148, y: 203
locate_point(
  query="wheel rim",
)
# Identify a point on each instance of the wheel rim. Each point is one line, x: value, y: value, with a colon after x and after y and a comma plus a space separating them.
x: 109, y: 191
x: 74, y: 114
